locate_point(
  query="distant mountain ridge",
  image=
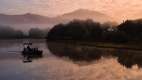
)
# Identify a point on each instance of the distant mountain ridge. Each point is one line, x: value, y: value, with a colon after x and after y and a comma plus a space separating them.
x: 24, y: 18
x: 29, y: 20
x: 83, y: 14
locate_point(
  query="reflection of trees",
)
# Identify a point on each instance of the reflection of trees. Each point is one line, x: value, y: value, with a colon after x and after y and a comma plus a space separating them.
x: 127, y: 32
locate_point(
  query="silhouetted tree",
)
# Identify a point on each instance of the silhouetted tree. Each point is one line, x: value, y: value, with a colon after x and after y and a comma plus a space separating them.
x: 7, y: 32
x: 37, y: 33
x: 133, y: 29
x: 76, y: 30
x: 128, y: 31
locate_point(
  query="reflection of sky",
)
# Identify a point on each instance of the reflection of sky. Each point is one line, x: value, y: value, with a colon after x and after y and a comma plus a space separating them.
x: 58, y: 69
x: 53, y: 68
x: 120, y: 9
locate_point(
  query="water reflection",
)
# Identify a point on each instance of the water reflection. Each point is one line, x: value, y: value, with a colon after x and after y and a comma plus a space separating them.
x: 51, y: 67
x: 12, y: 49
x: 78, y: 52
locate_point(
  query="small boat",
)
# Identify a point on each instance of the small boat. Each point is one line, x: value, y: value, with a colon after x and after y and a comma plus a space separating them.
x: 26, y: 60
x: 31, y: 53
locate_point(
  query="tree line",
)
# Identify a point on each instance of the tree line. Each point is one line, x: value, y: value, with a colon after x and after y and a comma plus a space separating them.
x: 7, y: 32
x: 129, y: 31
x: 79, y: 30
x: 82, y: 30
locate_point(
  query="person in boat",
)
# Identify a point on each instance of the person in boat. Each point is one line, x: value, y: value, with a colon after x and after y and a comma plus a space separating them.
x: 27, y: 53
x: 29, y: 48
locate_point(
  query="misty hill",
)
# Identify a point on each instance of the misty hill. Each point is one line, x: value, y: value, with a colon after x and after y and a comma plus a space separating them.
x: 22, y: 19
x: 26, y: 21
x: 83, y: 14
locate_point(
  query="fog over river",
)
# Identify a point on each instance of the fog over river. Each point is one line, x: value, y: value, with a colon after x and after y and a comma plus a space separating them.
x: 51, y: 67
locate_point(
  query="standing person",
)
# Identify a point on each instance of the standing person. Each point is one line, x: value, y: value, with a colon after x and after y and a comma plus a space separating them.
x: 27, y: 53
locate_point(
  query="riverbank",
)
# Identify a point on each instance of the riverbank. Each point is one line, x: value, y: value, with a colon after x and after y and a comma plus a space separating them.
x: 129, y: 46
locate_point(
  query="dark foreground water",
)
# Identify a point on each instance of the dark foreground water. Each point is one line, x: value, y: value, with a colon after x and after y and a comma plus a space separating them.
x: 53, y: 68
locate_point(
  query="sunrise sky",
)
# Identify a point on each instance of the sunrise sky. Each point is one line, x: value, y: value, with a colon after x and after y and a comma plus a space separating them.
x: 118, y: 9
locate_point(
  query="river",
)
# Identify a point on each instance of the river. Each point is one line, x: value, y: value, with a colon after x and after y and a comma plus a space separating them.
x: 51, y: 67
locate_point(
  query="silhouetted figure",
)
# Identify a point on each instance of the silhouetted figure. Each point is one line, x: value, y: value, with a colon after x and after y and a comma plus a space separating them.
x: 27, y: 53
x: 30, y: 53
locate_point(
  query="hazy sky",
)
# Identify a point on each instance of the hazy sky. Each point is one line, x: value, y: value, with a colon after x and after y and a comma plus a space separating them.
x: 119, y: 9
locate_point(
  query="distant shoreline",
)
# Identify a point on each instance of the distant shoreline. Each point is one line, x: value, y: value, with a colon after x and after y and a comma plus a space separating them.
x: 129, y: 46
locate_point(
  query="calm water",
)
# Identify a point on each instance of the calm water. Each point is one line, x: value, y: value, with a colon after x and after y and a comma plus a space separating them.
x: 54, y: 68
